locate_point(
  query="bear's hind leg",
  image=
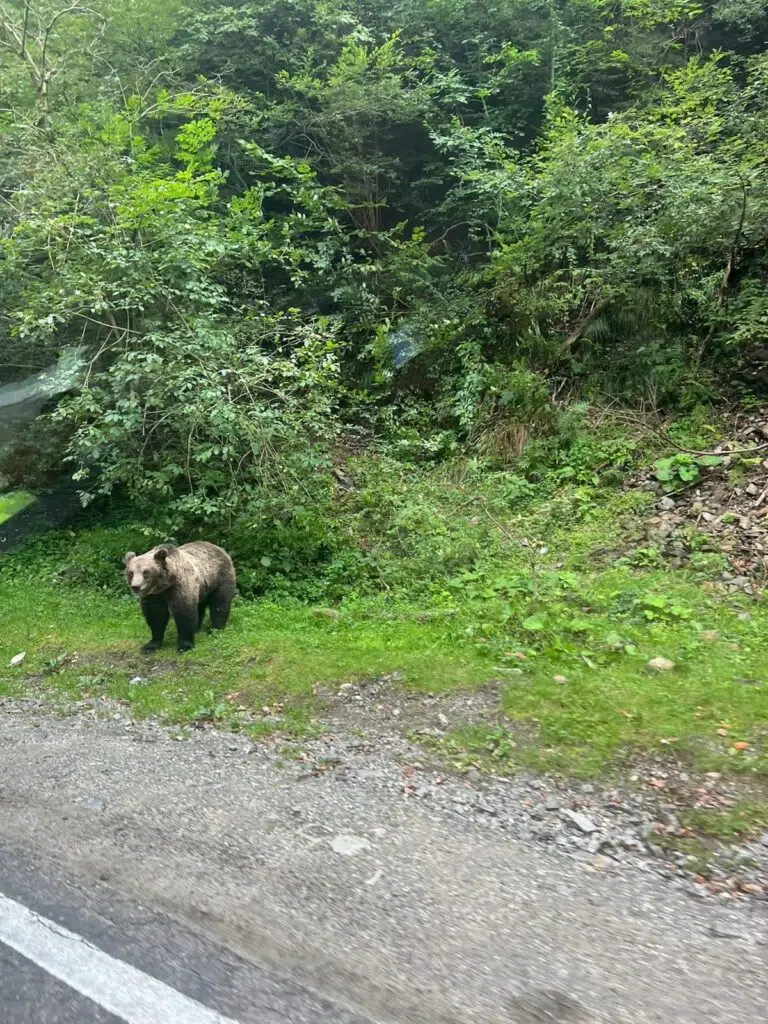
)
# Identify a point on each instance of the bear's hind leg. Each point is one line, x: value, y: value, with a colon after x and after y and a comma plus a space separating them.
x: 155, y: 611
x: 201, y: 610
x: 185, y: 615
x: 220, y: 603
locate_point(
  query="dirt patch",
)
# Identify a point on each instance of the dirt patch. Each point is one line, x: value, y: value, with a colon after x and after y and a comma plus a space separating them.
x: 132, y: 661
x: 382, y: 705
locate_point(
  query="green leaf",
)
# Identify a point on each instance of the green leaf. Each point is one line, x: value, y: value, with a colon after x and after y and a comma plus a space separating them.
x: 535, y: 622
x: 578, y: 625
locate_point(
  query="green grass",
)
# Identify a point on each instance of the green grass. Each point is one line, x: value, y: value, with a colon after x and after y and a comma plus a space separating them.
x: 12, y: 503
x: 577, y: 692
x: 269, y: 655
x: 550, y: 590
x: 745, y: 820
x: 706, y: 833
x: 597, y: 639
x: 572, y: 643
x: 568, y: 630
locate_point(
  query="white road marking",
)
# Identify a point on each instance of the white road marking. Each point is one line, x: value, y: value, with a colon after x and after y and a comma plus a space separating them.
x: 124, y: 991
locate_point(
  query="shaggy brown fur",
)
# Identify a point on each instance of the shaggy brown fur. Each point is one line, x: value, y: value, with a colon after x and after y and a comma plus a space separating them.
x: 181, y: 582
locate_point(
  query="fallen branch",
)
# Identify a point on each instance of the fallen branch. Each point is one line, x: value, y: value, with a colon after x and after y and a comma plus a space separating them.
x: 583, y: 324
x: 499, y: 526
x: 693, y: 451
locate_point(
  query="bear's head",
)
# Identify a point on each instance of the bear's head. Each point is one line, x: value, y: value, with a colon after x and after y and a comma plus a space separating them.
x: 150, y: 573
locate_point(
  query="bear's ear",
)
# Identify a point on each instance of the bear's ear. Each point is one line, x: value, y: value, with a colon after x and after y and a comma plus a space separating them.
x: 128, y: 556
x: 160, y: 555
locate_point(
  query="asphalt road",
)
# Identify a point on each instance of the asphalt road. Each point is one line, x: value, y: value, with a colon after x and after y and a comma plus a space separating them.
x: 210, y: 875
x: 29, y: 994
x: 87, y: 950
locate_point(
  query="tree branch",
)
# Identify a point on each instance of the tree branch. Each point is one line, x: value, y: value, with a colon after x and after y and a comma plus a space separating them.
x: 728, y: 269
x: 583, y: 324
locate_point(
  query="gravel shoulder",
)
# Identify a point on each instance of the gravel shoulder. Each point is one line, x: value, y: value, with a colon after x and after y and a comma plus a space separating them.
x: 401, y: 909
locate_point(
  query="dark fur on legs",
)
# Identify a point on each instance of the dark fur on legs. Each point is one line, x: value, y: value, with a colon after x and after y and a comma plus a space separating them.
x: 186, y: 620
x: 156, y: 613
x: 202, y: 608
x: 220, y: 603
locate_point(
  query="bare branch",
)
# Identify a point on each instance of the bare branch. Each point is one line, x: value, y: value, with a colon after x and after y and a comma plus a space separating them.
x: 594, y: 311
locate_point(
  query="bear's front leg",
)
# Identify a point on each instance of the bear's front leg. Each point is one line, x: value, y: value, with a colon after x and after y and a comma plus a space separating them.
x: 185, y: 616
x: 155, y: 611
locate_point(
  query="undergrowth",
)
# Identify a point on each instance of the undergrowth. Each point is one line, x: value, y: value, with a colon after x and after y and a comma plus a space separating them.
x: 402, y: 526
x: 540, y: 581
x: 449, y: 575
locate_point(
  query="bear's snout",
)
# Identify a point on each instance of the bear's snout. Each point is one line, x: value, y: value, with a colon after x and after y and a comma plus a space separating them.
x: 136, y: 589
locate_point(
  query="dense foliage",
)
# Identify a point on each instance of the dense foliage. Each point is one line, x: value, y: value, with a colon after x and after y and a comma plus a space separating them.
x: 267, y: 225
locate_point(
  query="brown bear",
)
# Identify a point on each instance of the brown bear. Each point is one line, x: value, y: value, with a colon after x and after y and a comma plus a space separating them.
x: 182, y: 582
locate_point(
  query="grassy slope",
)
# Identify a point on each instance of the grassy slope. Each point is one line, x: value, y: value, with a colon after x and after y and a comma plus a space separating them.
x: 570, y: 640
x: 87, y: 645
x: 606, y: 701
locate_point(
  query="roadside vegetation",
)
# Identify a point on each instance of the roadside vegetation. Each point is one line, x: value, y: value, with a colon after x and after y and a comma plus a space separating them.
x: 422, y: 311
x: 551, y: 590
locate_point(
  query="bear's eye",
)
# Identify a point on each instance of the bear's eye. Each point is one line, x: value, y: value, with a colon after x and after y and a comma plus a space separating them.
x: 145, y: 573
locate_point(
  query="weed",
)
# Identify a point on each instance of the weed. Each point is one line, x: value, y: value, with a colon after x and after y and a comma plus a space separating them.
x: 213, y: 710
x: 745, y: 820
x: 681, y: 469
x: 659, y: 606
x: 55, y: 664
x: 645, y: 558
x: 707, y: 565
x: 740, y: 467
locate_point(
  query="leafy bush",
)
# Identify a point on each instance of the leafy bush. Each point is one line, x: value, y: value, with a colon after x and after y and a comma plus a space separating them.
x: 90, y: 557
x: 209, y: 423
